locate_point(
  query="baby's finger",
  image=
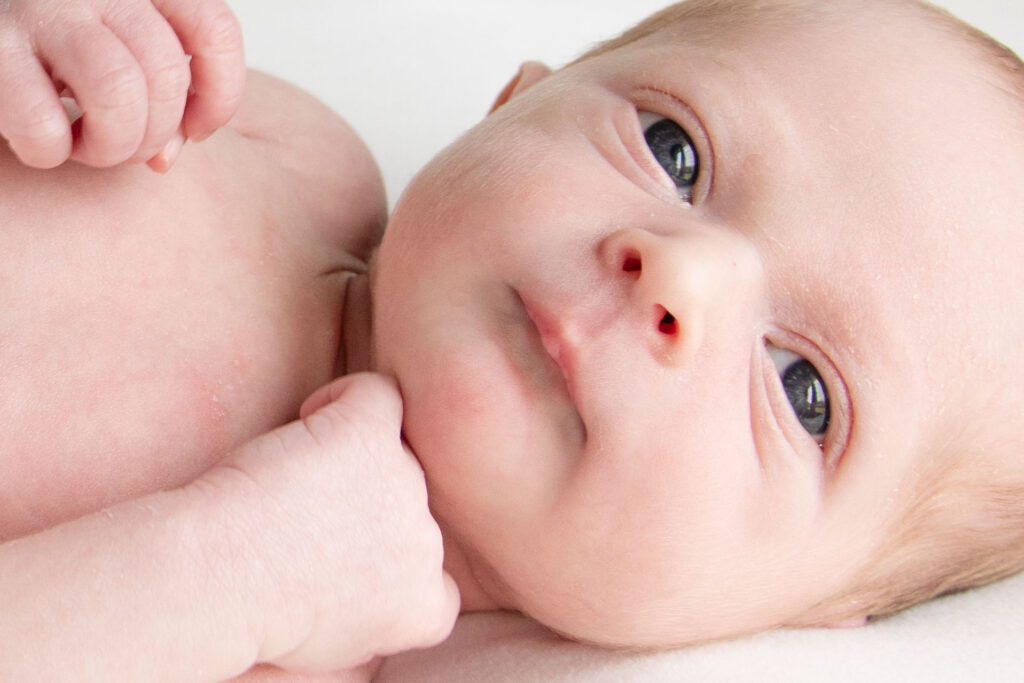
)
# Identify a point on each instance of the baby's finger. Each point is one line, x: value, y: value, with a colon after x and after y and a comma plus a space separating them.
x: 436, y: 624
x: 110, y: 89
x: 165, y: 158
x: 211, y: 34
x: 362, y: 391
x: 32, y: 117
x: 322, y: 396
x: 159, y: 53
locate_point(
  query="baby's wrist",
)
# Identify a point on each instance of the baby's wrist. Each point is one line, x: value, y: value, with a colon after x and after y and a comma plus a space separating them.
x: 239, y: 545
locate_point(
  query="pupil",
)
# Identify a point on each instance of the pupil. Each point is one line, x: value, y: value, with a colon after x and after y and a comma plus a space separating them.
x: 805, y: 391
x: 674, y: 151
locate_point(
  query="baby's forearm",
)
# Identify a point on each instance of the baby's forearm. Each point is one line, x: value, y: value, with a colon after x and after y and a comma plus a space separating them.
x: 311, y: 548
x: 131, y: 593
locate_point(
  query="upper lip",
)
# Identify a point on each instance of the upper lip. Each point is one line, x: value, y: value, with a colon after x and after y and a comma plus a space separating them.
x: 555, y: 343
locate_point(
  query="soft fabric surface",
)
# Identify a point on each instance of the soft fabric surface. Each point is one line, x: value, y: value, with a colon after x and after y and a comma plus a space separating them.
x: 410, y: 76
x: 974, y: 636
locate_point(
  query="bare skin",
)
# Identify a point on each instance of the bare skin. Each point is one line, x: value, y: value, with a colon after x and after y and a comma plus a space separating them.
x: 565, y: 322
x: 180, y: 303
x: 153, y: 325
x: 596, y: 331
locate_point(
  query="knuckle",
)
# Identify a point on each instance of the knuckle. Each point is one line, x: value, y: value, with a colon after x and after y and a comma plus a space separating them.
x: 40, y: 125
x: 40, y: 139
x: 385, y: 393
x: 219, y: 28
x: 117, y: 87
x: 376, y: 400
x: 330, y: 428
x: 121, y: 13
x: 385, y: 386
x: 170, y: 82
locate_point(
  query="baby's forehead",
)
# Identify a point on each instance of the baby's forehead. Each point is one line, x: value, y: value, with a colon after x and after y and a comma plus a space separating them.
x: 737, y: 24
x: 899, y: 119
x: 880, y: 73
x: 907, y: 110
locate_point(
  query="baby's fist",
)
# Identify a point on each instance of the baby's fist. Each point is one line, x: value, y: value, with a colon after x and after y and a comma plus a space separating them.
x: 143, y: 73
x: 345, y: 532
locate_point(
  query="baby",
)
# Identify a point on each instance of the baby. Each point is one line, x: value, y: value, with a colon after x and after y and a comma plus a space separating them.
x: 713, y: 331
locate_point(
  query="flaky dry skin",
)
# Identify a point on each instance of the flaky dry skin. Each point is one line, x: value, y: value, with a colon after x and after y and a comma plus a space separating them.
x: 152, y: 323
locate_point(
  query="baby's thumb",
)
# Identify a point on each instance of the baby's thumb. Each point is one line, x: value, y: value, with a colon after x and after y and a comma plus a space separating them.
x: 362, y: 391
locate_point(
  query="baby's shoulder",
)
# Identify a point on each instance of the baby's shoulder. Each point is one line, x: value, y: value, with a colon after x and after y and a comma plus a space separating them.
x: 341, y: 185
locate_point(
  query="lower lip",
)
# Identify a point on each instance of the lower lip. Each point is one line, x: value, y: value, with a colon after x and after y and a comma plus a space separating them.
x: 554, y: 344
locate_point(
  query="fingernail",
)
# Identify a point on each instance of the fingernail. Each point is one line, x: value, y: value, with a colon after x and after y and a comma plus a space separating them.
x: 163, y: 161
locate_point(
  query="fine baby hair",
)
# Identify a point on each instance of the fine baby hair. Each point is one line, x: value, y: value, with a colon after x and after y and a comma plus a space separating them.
x: 965, y: 525
x: 801, y: 202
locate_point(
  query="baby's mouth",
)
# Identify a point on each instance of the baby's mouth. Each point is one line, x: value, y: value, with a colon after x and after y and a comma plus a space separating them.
x: 548, y: 365
x: 554, y: 344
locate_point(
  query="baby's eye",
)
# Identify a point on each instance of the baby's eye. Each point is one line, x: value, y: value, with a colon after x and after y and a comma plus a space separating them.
x: 674, y: 151
x: 804, y: 389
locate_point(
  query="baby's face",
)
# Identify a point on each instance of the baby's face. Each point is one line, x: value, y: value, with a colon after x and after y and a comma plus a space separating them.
x: 679, y: 328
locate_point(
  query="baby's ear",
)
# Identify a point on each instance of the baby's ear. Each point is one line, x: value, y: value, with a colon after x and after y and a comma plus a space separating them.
x: 529, y: 73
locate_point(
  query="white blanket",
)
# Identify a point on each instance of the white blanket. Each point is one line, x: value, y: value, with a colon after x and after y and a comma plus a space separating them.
x: 411, y: 75
x: 974, y: 636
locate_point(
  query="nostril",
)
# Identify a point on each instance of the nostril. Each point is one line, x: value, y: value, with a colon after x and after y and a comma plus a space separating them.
x: 667, y: 324
x: 631, y: 263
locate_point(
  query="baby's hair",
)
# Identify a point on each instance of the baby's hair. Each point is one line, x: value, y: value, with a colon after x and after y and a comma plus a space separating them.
x: 1003, y: 62
x: 965, y: 529
x: 729, y: 11
x: 963, y: 525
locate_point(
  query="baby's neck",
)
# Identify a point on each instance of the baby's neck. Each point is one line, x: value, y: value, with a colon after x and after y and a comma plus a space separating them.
x: 355, y: 353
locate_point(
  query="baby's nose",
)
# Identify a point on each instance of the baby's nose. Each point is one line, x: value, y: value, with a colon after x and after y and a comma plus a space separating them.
x: 685, y: 287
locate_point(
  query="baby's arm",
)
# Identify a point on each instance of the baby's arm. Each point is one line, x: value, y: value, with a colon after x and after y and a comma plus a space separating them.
x: 146, y: 74
x: 311, y: 548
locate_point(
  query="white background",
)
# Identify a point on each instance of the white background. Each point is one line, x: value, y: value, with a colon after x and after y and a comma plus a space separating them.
x: 411, y: 75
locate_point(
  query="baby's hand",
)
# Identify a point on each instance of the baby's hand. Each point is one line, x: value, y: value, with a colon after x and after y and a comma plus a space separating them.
x: 340, y: 528
x: 125, y: 64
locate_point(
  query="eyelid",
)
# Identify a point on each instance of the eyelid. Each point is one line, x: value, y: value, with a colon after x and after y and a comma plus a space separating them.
x: 838, y: 434
x: 664, y: 104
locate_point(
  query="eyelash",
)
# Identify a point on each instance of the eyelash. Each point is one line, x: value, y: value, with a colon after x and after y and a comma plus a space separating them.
x: 659, y: 104
x: 834, y: 441
x: 681, y: 162
x: 789, y: 364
